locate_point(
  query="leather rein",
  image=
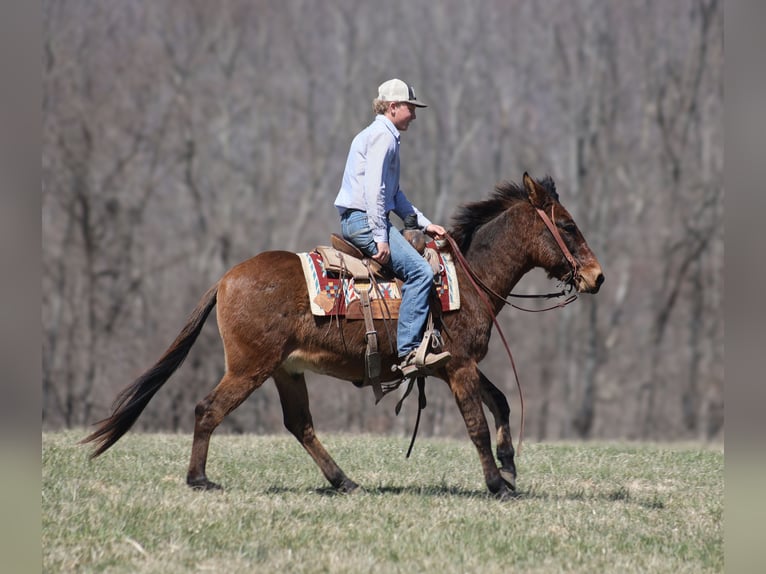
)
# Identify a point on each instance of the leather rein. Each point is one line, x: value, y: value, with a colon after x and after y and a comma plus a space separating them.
x: 482, y: 289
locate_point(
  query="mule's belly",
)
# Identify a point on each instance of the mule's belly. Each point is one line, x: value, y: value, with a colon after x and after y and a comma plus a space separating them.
x: 299, y: 361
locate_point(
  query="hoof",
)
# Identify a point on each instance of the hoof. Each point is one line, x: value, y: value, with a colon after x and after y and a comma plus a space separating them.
x: 508, y: 477
x: 505, y: 493
x: 349, y: 487
x: 500, y: 488
x: 203, y: 484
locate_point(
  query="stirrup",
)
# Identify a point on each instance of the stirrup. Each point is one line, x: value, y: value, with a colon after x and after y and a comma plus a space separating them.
x: 429, y: 352
x: 417, y: 365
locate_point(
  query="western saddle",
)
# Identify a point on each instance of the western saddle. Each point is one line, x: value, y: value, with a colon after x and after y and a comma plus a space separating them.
x: 347, y: 260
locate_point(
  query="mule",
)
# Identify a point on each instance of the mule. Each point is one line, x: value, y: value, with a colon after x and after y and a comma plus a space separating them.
x: 268, y: 330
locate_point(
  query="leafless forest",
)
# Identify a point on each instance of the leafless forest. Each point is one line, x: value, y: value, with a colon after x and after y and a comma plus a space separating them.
x: 181, y: 137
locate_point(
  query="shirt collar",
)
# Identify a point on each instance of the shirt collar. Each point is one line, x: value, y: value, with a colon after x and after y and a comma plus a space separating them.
x: 389, y: 124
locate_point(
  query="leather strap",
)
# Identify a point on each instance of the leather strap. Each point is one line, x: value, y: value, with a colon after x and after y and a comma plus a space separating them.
x: 372, y: 355
x: 550, y: 224
x: 427, y: 342
x: 421, y: 406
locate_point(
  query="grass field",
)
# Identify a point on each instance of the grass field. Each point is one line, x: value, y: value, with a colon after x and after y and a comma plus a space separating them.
x: 581, y: 508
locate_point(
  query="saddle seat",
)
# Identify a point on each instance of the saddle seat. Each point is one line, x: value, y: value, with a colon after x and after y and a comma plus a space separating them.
x: 357, y: 263
x: 343, y: 256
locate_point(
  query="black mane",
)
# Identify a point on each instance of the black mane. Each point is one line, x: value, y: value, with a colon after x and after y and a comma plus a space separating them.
x: 471, y: 216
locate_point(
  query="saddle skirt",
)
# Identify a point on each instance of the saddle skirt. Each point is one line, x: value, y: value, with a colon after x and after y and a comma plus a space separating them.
x: 335, y: 294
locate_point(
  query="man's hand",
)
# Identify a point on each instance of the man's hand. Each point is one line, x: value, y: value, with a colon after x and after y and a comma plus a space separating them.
x: 384, y: 253
x: 436, y: 231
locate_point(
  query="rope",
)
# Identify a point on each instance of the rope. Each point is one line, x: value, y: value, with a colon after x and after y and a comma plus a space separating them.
x: 473, y: 279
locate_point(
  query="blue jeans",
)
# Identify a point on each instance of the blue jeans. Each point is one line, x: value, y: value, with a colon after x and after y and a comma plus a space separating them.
x: 408, y: 265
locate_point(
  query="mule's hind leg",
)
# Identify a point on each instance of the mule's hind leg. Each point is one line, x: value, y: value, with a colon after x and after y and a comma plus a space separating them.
x: 297, y: 418
x: 210, y: 411
x: 498, y: 406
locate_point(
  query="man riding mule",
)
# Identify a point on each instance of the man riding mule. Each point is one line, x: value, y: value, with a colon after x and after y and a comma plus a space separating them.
x: 368, y: 193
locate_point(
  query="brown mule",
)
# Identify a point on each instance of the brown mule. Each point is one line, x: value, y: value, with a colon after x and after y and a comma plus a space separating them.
x: 268, y: 330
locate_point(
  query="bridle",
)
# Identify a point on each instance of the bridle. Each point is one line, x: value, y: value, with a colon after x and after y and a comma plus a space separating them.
x: 551, y: 225
x: 482, y: 289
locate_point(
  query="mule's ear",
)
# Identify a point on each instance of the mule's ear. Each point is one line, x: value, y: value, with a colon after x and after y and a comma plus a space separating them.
x: 535, y: 192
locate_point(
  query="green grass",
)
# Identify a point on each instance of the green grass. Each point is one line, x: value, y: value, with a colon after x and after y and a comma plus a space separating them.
x: 582, y: 508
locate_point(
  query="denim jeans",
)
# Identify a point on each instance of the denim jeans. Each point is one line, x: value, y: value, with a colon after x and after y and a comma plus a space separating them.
x: 408, y: 265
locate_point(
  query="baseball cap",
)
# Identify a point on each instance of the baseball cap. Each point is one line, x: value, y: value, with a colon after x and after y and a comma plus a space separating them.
x: 398, y: 91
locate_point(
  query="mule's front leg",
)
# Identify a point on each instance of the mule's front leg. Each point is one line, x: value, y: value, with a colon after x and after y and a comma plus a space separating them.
x: 465, y: 386
x: 498, y: 406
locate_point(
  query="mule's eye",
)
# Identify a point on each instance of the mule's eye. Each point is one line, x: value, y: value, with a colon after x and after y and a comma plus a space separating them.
x: 568, y: 226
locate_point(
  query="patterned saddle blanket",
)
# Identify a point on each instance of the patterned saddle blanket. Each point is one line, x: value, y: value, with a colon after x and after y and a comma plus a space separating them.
x: 333, y: 295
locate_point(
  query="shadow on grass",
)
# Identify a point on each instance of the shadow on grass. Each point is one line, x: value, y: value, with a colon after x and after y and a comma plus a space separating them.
x: 621, y: 494
x: 434, y: 491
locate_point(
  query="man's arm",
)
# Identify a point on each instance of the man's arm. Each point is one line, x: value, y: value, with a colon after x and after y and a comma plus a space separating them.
x: 403, y: 208
x: 378, y: 158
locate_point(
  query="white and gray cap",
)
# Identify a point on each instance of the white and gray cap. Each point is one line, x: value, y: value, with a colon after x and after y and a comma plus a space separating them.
x: 398, y: 91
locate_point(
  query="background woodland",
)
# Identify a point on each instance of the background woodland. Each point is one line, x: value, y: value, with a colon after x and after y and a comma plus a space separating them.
x: 181, y: 137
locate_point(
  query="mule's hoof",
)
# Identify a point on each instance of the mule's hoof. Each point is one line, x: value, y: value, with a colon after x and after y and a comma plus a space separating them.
x: 203, y: 484
x: 349, y: 487
x: 508, y: 477
x: 505, y: 493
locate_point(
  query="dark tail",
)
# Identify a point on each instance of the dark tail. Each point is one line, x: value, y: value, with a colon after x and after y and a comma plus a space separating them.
x: 131, y: 402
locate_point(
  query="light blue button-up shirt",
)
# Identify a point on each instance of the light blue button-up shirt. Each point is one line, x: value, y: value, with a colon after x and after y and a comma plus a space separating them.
x: 371, y: 178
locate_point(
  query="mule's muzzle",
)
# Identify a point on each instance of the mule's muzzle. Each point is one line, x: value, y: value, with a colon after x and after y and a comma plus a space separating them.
x: 589, y: 281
